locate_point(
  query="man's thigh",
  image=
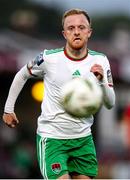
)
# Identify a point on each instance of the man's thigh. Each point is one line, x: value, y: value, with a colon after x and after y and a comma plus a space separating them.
x: 51, y: 157
x: 83, y: 158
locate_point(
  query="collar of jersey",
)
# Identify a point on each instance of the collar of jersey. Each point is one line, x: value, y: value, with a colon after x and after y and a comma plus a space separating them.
x: 72, y: 59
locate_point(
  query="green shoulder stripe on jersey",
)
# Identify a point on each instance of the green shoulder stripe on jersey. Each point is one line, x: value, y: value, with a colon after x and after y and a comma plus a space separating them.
x: 95, y: 53
x: 51, y: 51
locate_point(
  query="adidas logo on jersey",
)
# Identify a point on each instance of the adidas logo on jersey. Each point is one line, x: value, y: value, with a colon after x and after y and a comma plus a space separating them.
x: 76, y: 74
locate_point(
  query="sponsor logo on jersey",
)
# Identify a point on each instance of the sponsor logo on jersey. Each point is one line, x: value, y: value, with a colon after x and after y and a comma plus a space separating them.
x: 76, y: 74
x: 56, y: 168
x: 39, y: 59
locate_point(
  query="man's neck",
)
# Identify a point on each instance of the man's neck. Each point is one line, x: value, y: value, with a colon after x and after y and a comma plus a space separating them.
x: 76, y: 53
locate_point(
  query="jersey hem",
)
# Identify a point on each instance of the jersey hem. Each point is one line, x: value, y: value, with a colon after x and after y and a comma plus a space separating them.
x: 65, y: 137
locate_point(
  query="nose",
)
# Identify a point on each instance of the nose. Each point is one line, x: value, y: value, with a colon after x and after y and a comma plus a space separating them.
x: 76, y: 31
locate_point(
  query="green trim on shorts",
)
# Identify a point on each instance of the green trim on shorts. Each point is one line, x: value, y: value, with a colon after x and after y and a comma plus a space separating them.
x: 57, y: 157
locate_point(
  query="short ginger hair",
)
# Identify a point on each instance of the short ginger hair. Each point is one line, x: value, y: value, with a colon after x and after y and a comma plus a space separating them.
x: 73, y: 12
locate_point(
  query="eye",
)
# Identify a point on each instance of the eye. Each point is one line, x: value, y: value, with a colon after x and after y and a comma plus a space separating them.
x: 70, y: 28
x: 82, y: 27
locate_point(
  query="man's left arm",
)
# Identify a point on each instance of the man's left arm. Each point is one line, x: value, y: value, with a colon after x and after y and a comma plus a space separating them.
x: 105, y: 79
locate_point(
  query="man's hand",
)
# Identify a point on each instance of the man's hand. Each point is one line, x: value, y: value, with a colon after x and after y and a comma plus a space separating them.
x: 10, y: 119
x: 97, y: 70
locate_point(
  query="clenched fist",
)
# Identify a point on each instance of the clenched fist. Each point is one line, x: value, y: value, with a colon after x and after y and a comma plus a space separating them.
x: 97, y: 70
x: 10, y: 119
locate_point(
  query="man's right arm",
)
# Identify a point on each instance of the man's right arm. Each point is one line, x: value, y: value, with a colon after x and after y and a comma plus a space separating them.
x: 34, y: 68
x: 19, y: 81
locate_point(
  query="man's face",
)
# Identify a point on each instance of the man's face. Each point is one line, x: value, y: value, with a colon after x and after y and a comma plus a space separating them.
x: 76, y: 31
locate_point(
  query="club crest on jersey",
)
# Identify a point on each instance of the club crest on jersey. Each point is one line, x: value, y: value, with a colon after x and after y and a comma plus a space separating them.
x: 56, y: 168
x: 39, y: 59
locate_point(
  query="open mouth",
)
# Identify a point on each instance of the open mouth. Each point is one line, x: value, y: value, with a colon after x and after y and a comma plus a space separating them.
x: 77, y: 39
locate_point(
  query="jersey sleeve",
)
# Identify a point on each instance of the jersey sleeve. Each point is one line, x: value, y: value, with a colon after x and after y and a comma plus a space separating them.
x: 18, y: 82
x: 36, y: 67
x: 107, y: 86
x: 107, y: 73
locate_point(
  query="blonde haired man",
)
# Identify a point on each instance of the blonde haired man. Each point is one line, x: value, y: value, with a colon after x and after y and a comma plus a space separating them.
x: 64, y: 144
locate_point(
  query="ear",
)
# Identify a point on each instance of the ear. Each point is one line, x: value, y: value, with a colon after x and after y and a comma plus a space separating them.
x: 90, y: 32
x: 64, y: 34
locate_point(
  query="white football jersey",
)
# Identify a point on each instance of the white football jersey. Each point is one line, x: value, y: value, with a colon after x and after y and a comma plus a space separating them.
x: 57, y: 68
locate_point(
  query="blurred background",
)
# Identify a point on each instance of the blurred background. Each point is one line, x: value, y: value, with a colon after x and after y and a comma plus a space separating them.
x: 29, y: 26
